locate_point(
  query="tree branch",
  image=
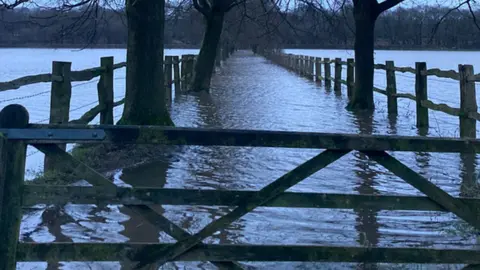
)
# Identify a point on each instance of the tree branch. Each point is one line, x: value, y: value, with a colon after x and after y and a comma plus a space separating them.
x: 16, y: 3
x: 203, y: 7
x: 473, y: 15
x: 386, y: 5
x: 234, y: 4
x: 434, y: 31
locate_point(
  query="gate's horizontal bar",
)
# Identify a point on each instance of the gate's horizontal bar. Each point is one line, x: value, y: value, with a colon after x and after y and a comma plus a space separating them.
x: 34, y: 134
x: 34, y: 194
x: 227, y: 137
x: 116, y: 252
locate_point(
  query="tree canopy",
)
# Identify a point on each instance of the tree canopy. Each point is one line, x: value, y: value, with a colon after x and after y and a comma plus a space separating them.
x: 298, y: 27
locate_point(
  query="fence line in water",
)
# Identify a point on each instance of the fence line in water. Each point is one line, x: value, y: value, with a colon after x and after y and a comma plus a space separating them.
x: 177, y: 72
x: 311, y: 67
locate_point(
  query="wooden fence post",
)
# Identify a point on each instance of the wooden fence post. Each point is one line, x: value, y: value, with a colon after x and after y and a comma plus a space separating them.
x: 326, y: 63
x: 297, y: 64
x: 61, y: 93
x: 468, y: 102
x: 168, y: 77
x: 176, y: 73
x: 318, y: 69
x: 302, y: 65
x: 191, y: 59
x: 293, y: 62
x: 421, y: 93
x: 350, y: 77
x: 105, y: 91
x: 12, y: 174
x: 183, y: 71
x: 337, y: 86
x: 391, y: 87
x: 307, y: 66
x: 311, y: 75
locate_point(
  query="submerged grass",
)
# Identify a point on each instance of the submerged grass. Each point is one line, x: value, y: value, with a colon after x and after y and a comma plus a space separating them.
x: 102, y: 158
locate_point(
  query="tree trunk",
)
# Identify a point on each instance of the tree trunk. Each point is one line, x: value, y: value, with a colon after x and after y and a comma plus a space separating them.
x: 364, y: 13
x: 145, y: 90
x: 206, y: 58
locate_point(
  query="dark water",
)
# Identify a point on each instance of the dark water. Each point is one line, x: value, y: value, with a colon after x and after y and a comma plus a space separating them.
x: 249, y: 92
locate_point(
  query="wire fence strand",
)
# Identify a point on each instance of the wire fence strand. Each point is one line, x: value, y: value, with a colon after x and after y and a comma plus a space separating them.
x: 405, y: 76
x: 119, y: 97
x: 85, y: 83
x: 25, y: 97
x: 444, y: 81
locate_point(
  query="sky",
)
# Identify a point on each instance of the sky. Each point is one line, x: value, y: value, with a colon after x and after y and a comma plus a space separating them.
x: 290, y: 3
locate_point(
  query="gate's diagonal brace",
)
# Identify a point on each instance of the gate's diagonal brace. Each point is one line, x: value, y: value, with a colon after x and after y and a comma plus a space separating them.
x: 173, y: 230
x: 271, y: 191
x: 456, y: 206
x: 79, y: 168
x: 96, y: 179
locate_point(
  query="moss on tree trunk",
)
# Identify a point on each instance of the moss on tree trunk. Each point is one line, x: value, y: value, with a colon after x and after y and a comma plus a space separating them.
x: 206, y: 58
x: 145, y: 91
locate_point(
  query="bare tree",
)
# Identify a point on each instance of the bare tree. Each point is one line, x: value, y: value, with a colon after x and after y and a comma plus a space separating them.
x: 213, y: 12
x: 145, y: 91
x: 365, y: 14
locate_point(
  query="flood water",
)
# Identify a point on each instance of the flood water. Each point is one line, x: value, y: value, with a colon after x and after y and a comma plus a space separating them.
x: 249, y: 92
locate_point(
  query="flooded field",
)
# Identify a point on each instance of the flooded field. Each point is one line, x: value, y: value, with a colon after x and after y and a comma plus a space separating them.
x: 249, y: 92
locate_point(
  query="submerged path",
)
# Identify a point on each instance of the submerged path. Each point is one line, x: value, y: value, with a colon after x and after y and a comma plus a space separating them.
x: 249, y: 92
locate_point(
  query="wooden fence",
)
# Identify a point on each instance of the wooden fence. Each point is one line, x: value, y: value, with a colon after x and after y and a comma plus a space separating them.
x: 311, y: 67
x: 178, y: 72
x: 61, y: 88
x: 16, y: 133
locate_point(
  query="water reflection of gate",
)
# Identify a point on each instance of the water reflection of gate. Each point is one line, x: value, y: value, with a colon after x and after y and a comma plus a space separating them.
x: 15, y: 194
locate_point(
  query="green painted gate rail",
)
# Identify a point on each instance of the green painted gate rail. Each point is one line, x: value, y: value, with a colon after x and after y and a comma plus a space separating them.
x: 17, y: 133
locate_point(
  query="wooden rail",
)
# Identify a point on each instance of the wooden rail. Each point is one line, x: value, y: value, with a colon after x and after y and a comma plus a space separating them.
x: 61, y: 88
x: 16, y: 133
x: 61, y: 78
x: 467, y: 112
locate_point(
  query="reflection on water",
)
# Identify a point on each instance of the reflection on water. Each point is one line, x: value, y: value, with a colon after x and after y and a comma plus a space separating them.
x: 250, y: 93
x: 468, y: 175
x: 366, y: 220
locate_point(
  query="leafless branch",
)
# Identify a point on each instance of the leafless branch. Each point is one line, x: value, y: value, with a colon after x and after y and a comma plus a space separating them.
x: 203, y: 6
x: 10, y: 5
x: 474, y: 17
x: 386, y: 5
x: 434, y: 31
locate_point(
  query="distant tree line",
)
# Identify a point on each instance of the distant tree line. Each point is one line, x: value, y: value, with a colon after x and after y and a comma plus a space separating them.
x: 305, y: 26
x: 421, y: 27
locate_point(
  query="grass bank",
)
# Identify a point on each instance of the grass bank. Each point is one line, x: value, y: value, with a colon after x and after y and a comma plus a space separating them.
x: 104, y: 159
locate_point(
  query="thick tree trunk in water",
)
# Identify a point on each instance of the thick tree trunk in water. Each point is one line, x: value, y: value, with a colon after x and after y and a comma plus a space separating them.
x: 364, y: 48
x: 145, y: 90
x: 206, y: 58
